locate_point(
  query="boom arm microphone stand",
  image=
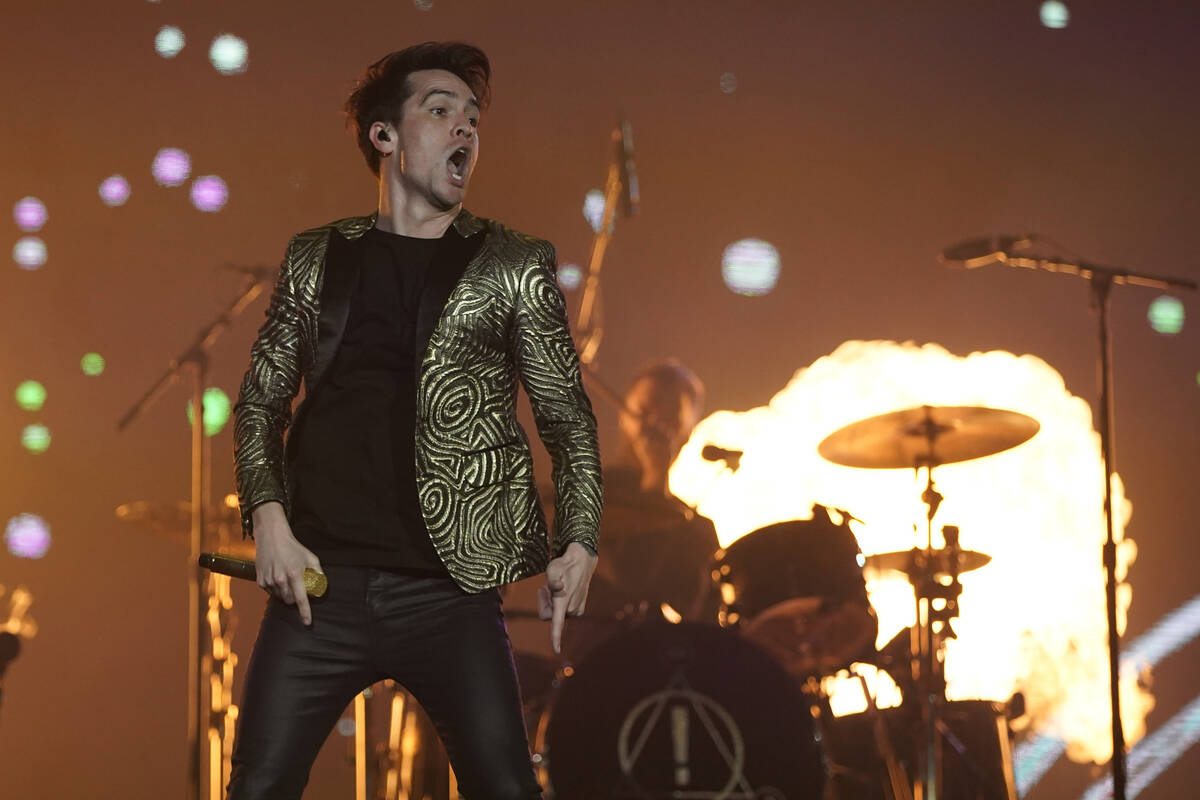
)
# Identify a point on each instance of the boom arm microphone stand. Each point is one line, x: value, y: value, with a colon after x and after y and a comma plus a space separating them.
x: 194, y: 361
x: 978, y: 253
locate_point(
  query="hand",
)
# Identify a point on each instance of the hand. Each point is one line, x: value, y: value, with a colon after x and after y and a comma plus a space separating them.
x: 565, y: 592
x: 280, y: 560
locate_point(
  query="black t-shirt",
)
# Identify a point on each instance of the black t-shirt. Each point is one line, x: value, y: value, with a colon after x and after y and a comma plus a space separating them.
x: 354, y: 460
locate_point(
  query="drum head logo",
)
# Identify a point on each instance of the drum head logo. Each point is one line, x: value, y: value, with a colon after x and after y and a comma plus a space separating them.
x: 692, y: 723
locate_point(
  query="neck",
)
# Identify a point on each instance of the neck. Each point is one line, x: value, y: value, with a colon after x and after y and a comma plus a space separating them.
x: 401, y: 212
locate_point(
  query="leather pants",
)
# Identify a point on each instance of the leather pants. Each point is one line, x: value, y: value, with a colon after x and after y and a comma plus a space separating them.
x: 450, y: 649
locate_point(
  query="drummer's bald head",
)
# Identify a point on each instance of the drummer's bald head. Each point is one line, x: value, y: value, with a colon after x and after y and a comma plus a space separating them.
x: 672, y: 374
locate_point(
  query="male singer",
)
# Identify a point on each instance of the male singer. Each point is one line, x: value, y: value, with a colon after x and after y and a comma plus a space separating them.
x: 406, y: 477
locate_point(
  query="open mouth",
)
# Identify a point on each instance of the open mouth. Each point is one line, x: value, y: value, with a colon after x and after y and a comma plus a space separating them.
x: 458, y: 164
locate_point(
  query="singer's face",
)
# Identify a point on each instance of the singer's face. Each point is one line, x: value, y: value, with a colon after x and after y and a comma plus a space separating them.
x: 660, y: 421
x: 438, y: 143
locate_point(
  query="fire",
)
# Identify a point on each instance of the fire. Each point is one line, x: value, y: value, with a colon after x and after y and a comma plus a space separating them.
x: 1033, y: 619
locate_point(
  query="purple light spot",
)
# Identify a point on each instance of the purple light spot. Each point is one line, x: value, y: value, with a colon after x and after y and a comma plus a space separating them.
x: 27, y: 536
x: 114, y: 191
x: 209, y: 193
x: 171, y: 166
x: 30, y: 214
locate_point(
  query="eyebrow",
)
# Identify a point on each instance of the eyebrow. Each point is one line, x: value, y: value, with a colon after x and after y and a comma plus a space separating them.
x: 470, y: 100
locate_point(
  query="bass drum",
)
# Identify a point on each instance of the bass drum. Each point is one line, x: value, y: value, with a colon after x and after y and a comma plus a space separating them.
x: 687, y: 710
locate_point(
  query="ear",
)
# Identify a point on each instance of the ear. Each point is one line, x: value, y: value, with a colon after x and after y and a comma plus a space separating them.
x: 383, y: 137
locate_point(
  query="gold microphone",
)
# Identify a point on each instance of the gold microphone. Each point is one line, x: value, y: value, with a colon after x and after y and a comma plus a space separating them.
x: 315, y: 582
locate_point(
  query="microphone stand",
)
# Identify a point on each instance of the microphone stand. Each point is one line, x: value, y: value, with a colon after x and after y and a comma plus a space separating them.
x: 194, y: 361
x: 1101, y: 280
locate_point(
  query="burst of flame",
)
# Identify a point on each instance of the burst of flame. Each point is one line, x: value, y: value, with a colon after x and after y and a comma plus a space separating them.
x: 1033, y: 619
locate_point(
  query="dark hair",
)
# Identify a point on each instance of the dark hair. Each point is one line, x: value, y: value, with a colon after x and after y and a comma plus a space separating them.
x: 381, y: 92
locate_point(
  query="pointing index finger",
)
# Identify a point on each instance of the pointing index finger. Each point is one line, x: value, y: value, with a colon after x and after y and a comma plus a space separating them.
x: 559, y: 617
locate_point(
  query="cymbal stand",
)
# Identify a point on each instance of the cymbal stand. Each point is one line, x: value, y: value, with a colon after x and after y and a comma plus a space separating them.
x: 193, y: 362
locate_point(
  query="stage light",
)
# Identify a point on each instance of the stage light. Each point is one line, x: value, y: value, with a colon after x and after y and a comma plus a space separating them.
x: 27, y: 536
x: 31, y: 395
x: 570, y: 276
x: 217, y: 409
x: 168, y: 41
x: 729, y: 83
x: 30, y: 214
x: 1054, y: 14
x: 750, y: 267
x: 114, y: 191
x: 171, y: 166
x: 593, y: 208
x: 228, y: 54
x: 1166, y: 315
x: 92, y: 364
x: 29, y: 252
x: 209, y: 193
x: 35, y: 438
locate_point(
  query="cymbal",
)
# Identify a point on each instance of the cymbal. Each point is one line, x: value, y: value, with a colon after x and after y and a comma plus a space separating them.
x: 927, y: 436
x: 915, y: 562
x: 174, y: 521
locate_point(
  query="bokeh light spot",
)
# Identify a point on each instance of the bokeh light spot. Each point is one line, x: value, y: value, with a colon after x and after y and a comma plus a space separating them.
x: 593, y: 208
x: 1054, y: 14
x: 729, y: 83
x: 229, y: 54
x: 171, y: 166
x: 30, y: 214
x: 750, y: 267
x: 29, y: 252
x: 92, y: 364
x: 423, y: 5
x: 35, y: 438
x: 209, y: 193
x: 114, y: 191
x: 168, y: 41
x: 31, y: 395
x: 27, y: 536
x: 217, y: 409
x: 570, y: 276
x: 346, y: 726
x: 1166, y: 315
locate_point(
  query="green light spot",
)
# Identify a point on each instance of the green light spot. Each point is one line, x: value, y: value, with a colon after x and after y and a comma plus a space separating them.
x: 92, y: 364
x: 217, y: 409
x: 35, y: 438
x: 1166, y: 315
x: 31, y: 395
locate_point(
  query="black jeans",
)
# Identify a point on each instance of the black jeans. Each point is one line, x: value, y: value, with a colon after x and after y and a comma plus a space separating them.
x: 447, y: 647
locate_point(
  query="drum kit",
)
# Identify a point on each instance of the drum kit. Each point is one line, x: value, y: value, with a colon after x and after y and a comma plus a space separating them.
x: 733, y: 709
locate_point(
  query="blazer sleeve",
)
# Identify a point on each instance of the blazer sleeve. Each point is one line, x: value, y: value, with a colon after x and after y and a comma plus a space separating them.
x: 548, y: 367
x: 264, y: 407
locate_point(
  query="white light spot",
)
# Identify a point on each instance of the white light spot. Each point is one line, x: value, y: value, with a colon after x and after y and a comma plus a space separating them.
x: 1055, y: 14
x: 750, y: 267
x: 570, y: 276
x: 29, y: 252
x: 229, y: 54
x: 593, y: 209
x: 27, y: 536
x: 169, y: 41
x: 729, y: 83
x: 346, y: 726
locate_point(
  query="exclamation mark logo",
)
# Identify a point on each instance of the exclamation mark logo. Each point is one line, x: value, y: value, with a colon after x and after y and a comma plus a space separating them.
x: 679, y: 738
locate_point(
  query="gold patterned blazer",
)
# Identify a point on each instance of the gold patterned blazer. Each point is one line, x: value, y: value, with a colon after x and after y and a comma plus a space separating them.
x: 481, y: 329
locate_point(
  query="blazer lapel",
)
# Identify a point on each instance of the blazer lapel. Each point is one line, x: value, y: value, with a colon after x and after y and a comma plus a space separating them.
x: 342, y: 267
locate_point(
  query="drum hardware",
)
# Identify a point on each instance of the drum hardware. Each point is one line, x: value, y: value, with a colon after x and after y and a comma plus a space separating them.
x: 919, y: 438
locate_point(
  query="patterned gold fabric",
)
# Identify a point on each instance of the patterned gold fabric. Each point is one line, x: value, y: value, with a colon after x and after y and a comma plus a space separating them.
x: 503, y: 321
